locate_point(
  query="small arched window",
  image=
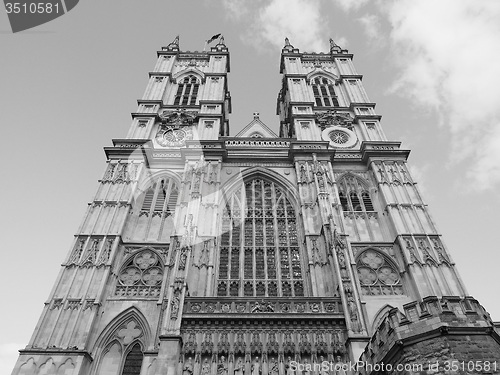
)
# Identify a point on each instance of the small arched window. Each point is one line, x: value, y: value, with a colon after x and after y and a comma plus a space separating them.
x: 160, y: 197
x: 187, y: 91
x: 324, y: 92
x: 353, y: 195
x: 377, y: 275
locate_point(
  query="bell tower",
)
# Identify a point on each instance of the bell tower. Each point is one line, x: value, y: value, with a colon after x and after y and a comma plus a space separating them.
x: 400, y: 289
x: 117, y: 303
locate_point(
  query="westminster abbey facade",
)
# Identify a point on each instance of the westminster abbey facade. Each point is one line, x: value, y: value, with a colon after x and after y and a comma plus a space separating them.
x: 205, y: 253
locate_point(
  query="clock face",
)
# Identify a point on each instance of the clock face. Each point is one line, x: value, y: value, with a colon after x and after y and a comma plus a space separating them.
x: 171, y: 137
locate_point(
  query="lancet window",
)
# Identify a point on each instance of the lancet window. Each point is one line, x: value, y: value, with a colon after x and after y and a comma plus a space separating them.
x: 187, y: 91
x: 133, y: 361
x: 161, y: 197
x: 377, y: 275
x: 354, y: 196
x: 324, y: 92
x: 141, y: 276
x: 360, y: 217
x: 259, y: 246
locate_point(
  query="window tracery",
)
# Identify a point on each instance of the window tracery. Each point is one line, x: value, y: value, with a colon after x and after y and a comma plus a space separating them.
x: 133, y: 361
x: 324, y: 92
x: 140, y: 276
x: 259, y: 248
x: 187, y: 91
x: 360, y: 217
x: 161, y: 197
x: 354, y: 196
x: 377, y: 275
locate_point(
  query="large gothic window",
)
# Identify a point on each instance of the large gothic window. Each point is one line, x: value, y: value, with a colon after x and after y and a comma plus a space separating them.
x: 187, y: 91
x: 377, y: 275
x: 324, y: 93
x: 259, y: 248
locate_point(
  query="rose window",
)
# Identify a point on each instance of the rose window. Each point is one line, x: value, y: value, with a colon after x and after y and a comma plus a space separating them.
x: 377, y: 275
x: 339, y: 137
x: 141, y: 276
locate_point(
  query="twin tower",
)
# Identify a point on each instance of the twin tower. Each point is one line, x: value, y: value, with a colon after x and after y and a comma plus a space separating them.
x: 203, y: 253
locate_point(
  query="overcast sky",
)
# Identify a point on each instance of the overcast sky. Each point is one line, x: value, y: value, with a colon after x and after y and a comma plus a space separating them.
x: 68, y: 87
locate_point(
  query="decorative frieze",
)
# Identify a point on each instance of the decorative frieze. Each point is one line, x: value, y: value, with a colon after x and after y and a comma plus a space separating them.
x: 272, y: 340
x: 266, y: 306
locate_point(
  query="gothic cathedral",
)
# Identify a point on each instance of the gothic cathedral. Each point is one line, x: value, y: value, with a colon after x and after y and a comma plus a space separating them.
x: 203, y: 253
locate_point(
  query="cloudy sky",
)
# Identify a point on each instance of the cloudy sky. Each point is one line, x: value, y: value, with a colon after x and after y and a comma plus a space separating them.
x: 68, y: 87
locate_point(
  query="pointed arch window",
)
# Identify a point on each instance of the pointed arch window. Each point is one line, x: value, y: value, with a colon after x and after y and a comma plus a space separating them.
x: 354, y: 195
x: 360, y: 216
x: 133, y: 361
x: 187, y: 91
x: 324, y: 92
x: 259, y: 246
x: 377, y: 275
x: 161, y: 197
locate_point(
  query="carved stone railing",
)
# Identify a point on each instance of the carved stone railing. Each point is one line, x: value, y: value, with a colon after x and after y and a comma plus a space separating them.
x: 267, y: 306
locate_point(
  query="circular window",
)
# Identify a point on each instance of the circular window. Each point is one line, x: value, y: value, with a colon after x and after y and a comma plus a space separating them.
x: 339, y: 137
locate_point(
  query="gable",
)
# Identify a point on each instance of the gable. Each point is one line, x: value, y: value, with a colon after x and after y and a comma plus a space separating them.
x: 256, y: 129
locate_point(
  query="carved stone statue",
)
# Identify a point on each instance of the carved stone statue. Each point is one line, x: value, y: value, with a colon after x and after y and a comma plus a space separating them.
x: 183, y: 258
x: 188, y: 367
x: 222, y: 366
x: 307, y: 368
x: 273, y: 367
x: 175, y: 306
x: 239, y: 367
x: 257, y: 307
x: 205, y: 369
x: 323, y: 370
x: 289, y: 370
x: 256, y: 370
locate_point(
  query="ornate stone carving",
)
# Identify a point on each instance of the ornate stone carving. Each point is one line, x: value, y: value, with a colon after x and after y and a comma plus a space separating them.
x: 174, y: 305
x: 178, y: 117
x: 334, y: 118
x: 77, y: 252
x: 91, y: 254
x: 128, y: 333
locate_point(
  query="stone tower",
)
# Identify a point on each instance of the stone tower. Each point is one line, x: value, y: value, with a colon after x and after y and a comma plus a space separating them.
x: 204, y: 253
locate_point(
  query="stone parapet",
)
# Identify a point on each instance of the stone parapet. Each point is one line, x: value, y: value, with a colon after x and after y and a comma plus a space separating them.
x: 433, y: 335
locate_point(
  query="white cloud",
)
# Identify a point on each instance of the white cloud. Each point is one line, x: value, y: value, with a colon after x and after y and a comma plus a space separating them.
x: 486, y: 169
x: 236, y: 8
x: 299, y: 20
x: 447, y: 53
x: 348, y: 5
x: 270, y: 22
x: 371, y: 24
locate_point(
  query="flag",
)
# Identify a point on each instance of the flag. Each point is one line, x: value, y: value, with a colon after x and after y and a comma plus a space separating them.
x: 213, y: 38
